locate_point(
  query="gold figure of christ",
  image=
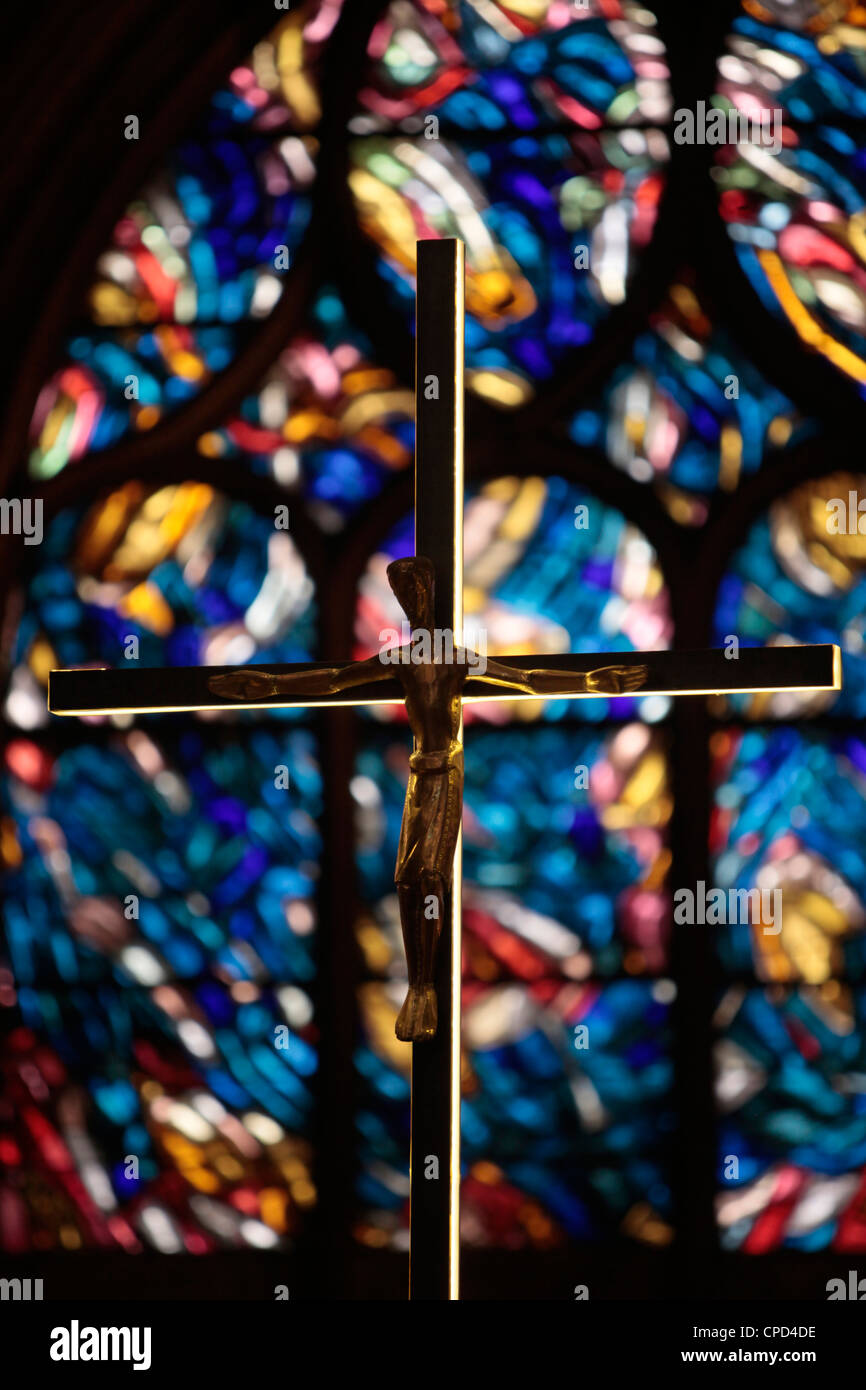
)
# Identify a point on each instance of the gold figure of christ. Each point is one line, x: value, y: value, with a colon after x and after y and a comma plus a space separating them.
x: 434, y: 796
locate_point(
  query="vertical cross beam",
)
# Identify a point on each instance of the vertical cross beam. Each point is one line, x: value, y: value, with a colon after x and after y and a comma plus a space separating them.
x: 435, y: 1203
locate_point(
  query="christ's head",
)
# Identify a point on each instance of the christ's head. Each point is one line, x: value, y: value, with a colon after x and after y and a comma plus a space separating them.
x: 412, y: 582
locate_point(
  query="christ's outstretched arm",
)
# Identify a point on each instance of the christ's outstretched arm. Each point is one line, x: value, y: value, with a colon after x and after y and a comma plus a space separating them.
x: 606, y: 680
x: 331, y: 680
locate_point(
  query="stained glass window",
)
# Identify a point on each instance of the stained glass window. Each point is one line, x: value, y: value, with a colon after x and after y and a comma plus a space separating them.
x: 799, y: 578
x: 202, y: 957
x: 688, y: 411
x: 547, y: 568
x: 159, y: 899
x: 567, y: 1078
x: 326, y: 421
x: 787, y: 826
x: 534, y: 138
x: 198, y: 256
x: 788, y: 817
x: 794, y: 205
x: 173, y: 576
x: 788, y: 1068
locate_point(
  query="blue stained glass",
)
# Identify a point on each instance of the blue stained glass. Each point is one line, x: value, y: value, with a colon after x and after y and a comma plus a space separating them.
x: 560, y: 1140
x: 792, y: 1132
x: 531, y: 295
x: 824, y: 78
x: 118, y: 1089
x: 144, y: 819
x: 794, y: 211
x: 146, y: 1025
x: 559, y: 848
x: 552, y: 894
x: 687, y: 412
x: 422, y: 52
x: 548, y: 568
x: 202, y: 250
x: 325, y: 421
x: 799, y: 577
x: 184, y: 574
x: 802, y: 273
x: 565, y: 175
x: 790, y: 817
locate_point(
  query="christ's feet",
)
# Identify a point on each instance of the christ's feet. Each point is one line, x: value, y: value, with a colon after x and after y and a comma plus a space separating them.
x: 416, y: 1021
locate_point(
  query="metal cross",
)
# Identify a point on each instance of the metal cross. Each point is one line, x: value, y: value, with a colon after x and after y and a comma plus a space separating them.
x: 435, y: 1082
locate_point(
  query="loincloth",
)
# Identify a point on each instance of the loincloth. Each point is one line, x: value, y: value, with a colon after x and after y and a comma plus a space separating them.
x: 431, y: 815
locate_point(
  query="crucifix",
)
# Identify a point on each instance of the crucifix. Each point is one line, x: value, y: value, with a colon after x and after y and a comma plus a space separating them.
x: 435, y: 676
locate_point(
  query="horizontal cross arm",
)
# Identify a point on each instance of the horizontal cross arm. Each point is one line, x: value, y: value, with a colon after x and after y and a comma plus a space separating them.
x: 184, y: 689
x: 709, y: 672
